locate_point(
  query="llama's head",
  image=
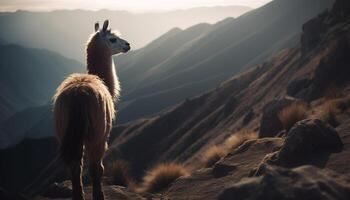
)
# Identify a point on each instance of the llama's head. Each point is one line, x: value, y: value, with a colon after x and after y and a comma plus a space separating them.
x: 110, y: 39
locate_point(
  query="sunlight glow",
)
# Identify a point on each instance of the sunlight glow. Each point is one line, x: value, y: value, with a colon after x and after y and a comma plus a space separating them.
x: 129, y: 5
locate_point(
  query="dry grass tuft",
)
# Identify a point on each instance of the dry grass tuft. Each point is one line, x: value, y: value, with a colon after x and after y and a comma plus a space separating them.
x: 216, y: 152
x: 292, y: 114
x: 329, y: 110
x: 237, y: 139
x: 213, y: 154
x: 161, y: 176
x: 118, y: 173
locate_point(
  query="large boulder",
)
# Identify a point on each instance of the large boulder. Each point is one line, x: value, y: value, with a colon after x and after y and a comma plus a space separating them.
x: 341, y: 9
x: 270, y: 125
x: 309, y: 142
x: 306, y: 139
x: 306, y: 182
x: 312, y: 33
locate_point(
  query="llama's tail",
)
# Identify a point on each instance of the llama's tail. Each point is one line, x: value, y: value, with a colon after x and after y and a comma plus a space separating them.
x: 83, y: 112
x: 71, y: 148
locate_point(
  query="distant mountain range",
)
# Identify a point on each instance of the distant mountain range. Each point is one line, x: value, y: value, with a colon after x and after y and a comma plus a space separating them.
x: 28, y: 78
x: 184, y: 63
x: 183, y: 132
x: 178, y: 65
x: 66, y: 31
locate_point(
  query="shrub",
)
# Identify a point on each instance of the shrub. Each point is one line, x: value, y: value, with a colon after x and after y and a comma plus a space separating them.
x: 216, y: 152
x: 161, y: 176
x: 328, y: 111
x: 237, y: 139
x: 292, y: 114
x: 118, y: 173
x: 213, y: 154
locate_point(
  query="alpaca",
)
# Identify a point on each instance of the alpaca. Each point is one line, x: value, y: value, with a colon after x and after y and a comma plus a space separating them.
x: 84, y: 110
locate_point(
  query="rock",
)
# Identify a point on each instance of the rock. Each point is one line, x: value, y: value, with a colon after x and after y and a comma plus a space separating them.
x: 270, y: 125
x: 332, y: 70
x: 296, y: 86
x: 310, y: 141
x: 312, y: 33
x: 306, y: 139
x: 221, y: 169
x: 341, y: 9
x: 278, y: 183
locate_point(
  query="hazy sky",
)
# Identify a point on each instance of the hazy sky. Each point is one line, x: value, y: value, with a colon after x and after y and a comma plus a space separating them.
x: 130, y: 5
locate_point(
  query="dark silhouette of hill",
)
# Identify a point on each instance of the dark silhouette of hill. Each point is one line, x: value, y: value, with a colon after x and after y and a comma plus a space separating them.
x: 28, y: 78
x: 66, y: 31
x: 34, y: 156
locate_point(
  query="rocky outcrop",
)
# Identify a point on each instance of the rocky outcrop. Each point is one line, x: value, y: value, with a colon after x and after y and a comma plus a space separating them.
x: 270, y: 124
x: 310, y: 141
x: 277, y: 183
x: 341, y: 9
x: 312, y: 33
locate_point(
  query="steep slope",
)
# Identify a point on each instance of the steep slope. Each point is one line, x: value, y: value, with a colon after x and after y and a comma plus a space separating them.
x: 52, y: 30
x: 265, y: 168
x: 32, y: 122
x: 213, y: 55
x: 29, y: 77
x: 183, y: 132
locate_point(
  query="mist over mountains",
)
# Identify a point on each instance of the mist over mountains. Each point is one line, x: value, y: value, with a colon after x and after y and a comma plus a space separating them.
x: 66, y: 31
x: 29, y: 77
x: 184, y: 63
x: 193, y: 88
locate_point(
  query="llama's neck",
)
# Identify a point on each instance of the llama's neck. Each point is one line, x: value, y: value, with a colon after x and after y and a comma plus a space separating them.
x: 101, y: 64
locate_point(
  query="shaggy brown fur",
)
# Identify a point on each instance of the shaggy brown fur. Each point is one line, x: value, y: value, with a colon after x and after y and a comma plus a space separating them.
x: 83, y: 112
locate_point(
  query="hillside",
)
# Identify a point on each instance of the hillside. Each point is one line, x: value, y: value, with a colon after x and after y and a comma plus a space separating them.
x: 28, y: 78
x: 307, y: 161
x: 184, y: 131
x: 314, y: 73
x: 26, y: 28
x: 184, y: 63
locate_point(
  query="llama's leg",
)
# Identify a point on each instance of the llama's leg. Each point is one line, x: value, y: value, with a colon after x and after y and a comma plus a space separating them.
x: 96, y: 170
x: 76, y: 170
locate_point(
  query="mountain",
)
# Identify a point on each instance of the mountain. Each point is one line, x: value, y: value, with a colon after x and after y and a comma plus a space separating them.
x: 184, y: 63
x: 271, y: 167
x: 66, y: 31
x: 28, y: 78
x: 34, y: 157
x: 183, y: 132
x: 30, y: 123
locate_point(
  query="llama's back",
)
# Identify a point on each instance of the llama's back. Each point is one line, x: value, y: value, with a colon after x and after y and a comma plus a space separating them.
x: 83, y: 112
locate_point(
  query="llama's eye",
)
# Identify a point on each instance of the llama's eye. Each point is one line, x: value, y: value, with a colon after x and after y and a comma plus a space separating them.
x: 113, y: 40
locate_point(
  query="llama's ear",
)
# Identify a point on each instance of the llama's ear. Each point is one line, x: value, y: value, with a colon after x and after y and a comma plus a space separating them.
x: 97, y: 26
x: 105, y: 25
